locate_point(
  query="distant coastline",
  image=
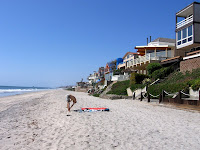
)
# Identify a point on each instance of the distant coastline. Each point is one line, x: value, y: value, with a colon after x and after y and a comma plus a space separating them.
x: 17, y: 90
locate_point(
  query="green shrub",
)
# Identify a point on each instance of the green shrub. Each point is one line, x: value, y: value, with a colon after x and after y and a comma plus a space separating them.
x: 169, y: 87
x: 140, y: 77
x: 161, y: 73
x: 177, y: 81
x: 152, y: 67
x: 146, y: 81
x: 137, y: 86
x: 132, y: 78
x: 137, y: 78
x: 120, y: 88
x: 196, y: 84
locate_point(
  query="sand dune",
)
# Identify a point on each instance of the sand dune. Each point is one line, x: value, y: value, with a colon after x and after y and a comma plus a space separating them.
x: 39, y: 121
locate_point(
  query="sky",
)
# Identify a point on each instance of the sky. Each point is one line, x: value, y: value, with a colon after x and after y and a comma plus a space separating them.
x: 55, y: 43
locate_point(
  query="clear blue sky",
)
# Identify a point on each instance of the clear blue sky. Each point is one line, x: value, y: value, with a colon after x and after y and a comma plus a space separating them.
x: 58, y: 42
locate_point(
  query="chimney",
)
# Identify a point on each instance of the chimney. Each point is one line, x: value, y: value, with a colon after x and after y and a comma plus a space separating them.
x: 147, y: 41
x: 150, y: 38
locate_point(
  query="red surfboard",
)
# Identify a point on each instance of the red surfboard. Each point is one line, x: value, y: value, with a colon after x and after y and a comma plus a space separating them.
x: 100, y: 109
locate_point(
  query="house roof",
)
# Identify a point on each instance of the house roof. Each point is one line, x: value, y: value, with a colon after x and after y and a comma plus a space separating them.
x: 164, y: 40
x: 141, y: 49
x: 167, y: 41
x: 187, y: 7
x: 129, y: 53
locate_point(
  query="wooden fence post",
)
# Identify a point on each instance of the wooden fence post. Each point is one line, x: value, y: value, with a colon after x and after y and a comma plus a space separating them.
x: 180, y: 99
x: 199, y: 98
x: 160, y: 98
x: 133, y: 95
x: 148, y: 97
x: 141, y: 97
x: 163, y: 95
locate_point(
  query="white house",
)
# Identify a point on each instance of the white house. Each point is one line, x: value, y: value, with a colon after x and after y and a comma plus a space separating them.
x: 188, y: 29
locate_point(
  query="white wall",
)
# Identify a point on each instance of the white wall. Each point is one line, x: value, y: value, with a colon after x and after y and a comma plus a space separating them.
x: 120, y: 77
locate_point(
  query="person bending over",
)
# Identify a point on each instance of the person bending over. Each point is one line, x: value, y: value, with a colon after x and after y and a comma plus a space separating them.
x: 69, y: 99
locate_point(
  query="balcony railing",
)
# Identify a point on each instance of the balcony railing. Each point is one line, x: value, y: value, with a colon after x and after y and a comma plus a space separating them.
x: 184, y: 22
x: 142, y: 60
x: 146, y: 58
x: 121, y: 65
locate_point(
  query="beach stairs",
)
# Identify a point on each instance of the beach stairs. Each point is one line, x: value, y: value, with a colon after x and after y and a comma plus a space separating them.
x: 155, y: 82
x: 113, y: 96
x: 107, y: 89
x: 129, y: 92
x: 138, y: 92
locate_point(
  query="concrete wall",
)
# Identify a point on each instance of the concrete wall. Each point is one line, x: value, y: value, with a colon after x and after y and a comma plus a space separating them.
x: 79, y: 89
x: 196, y: 32
x: 181, y: 52
x: 190, y: 64
x: 197, y: 12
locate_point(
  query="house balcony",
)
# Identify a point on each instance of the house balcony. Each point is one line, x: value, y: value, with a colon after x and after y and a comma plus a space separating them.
x: 121, y: 65
x: 184, y: 22
x: 147, y: 58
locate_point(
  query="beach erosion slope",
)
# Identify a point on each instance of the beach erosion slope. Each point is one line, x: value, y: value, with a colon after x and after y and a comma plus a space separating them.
x: 39, y: 121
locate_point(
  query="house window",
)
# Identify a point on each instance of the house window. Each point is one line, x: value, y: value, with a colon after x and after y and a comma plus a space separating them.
x: 189, y: 30
x: 151, y: 53
x: 185, y: 35
x: 189, y: 39
x: 169, y: 53
x: 160, y: 53
x: 131, y: 62
x: 179, y: 35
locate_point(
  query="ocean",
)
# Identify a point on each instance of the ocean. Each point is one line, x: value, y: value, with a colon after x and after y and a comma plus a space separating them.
x: 16, y: 90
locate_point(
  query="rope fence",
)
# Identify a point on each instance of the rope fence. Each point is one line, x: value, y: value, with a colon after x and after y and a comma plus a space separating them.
x: 170, y: 94
x: 177, y: 97
x: 154, y: 95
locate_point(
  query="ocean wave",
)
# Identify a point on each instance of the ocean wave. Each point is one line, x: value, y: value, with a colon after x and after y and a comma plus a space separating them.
x: 17, y: 90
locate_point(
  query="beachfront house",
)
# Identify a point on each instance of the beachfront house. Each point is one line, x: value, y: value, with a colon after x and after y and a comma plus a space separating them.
x: 110, y: 67
x: 108, y: 72
x: 92, y: 78
x: 188, y: 29
x: 82, y: 86
x: 101, y: 79
x: 155, y: 51
x: 118, y: 62
x: 128, y: 60
x: 188, y: 37
x: 101, y: 73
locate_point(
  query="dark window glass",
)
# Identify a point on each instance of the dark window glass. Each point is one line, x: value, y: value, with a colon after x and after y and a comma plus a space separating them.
x: 190, y: 30
x: 190, y: 39
x: 184, y: 33
x: 179, y: 43
x: 184, y: 41
x: 179, y: 35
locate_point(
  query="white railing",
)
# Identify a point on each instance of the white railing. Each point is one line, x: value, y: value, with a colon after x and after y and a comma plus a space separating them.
x: 146, y: 58
x: 120, y: 77
x: 184, y: 22
x: 121, y: 65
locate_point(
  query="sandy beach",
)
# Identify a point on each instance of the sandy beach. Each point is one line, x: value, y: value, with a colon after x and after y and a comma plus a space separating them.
x: 39, y: 121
